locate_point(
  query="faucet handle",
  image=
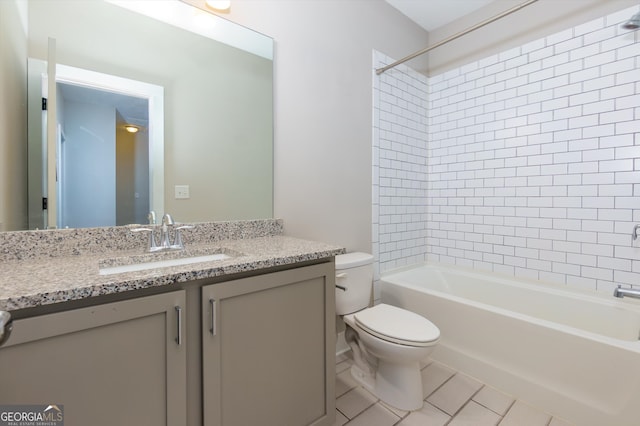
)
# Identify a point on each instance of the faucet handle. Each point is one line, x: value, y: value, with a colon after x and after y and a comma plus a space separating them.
x: 142, y: 230
x: 177, y: 237
x: 152, y: 217
x: 152, y: 240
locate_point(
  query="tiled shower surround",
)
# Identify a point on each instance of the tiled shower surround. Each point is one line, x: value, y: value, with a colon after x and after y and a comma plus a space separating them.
x: 532, y: 161
x: 399, y: 166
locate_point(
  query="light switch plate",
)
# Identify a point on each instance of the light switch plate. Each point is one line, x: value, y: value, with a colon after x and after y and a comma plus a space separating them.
x: 182, y: 192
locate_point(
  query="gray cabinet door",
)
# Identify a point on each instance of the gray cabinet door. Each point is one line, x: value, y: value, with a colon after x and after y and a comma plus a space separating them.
x: 114, y: 364
x: 269, y: 349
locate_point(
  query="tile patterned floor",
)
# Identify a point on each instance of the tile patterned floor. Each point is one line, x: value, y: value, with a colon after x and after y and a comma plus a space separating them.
x: 451, y: 398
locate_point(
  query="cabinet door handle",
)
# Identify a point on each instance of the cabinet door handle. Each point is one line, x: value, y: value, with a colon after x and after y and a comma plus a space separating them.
x: 179, y: 322
x: 212, y: 323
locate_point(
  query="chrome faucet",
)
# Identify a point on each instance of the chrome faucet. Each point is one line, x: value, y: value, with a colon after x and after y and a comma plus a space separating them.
x: 164, y: 235
x: 167, y: 219
x: 622, y: 292
x: 5, y: 326
x: 165, y: 242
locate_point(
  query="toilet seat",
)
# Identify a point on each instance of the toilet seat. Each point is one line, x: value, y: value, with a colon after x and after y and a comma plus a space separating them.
x: 397, y: 325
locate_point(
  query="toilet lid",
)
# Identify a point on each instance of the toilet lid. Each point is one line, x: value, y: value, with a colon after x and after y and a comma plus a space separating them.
x: 397, y: 325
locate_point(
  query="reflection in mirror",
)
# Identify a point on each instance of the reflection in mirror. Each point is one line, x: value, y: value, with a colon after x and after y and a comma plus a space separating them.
x: 95, y: 145
x: 217, y: 103
x: 105, y: 175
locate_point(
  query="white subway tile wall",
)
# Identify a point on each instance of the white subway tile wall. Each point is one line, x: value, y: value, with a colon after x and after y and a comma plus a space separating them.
x: 534, y: 155
x: 399, y: 167
x: 532, y: 163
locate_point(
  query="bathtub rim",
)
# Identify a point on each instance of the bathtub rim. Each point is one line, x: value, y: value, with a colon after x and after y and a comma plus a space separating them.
x: 632, y: 305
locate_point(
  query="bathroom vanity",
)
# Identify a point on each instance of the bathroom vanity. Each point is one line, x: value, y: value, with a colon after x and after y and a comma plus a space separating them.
x: 116, y: 363
x: 241, y: 341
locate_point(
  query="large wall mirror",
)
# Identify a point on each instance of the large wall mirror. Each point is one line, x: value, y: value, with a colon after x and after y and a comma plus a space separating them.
x: 202, y: 110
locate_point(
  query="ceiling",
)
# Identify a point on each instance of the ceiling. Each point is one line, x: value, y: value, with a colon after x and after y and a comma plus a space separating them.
x: 432, y: 14
x: 132, y: 110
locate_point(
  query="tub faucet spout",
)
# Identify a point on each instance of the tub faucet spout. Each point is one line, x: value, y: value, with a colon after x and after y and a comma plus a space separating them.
x: 623, y: 292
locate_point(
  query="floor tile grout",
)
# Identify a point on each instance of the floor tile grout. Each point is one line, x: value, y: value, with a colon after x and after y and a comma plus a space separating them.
x: 469, y: 400
x: 401, y: 415
x: 438, y: 388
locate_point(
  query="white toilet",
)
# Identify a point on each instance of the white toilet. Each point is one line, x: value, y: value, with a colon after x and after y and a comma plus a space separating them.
x: 388, y: 343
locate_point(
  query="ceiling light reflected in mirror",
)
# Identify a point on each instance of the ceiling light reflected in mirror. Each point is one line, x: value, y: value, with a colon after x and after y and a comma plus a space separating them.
x: 219, y: 5
x: 181, y: 15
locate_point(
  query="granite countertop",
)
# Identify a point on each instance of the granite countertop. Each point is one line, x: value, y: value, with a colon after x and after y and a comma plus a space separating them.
x: 34, y: 282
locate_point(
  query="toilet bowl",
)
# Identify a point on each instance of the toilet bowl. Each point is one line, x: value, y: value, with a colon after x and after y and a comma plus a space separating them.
x: 388, y: 342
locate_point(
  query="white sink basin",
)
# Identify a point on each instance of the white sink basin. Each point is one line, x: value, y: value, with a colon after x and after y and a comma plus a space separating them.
x: 119, y: 269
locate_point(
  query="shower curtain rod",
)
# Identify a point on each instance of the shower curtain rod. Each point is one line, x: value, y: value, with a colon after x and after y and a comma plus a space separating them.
x: 455, y: 36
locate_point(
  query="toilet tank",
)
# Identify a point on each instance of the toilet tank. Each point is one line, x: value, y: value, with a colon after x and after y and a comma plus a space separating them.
x: 354, y: 272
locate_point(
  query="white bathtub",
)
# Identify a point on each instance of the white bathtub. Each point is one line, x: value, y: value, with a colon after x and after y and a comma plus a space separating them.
x: 573, y: 354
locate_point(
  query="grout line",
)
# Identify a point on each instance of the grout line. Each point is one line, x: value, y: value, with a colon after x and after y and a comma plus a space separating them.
x: 403, y: 417
x: 354, y: 417
x: 465, y: 404
x: 441, y: 385
x: 509, y: 409
x: 442, y: 411
x: 451, y: 417
x: 382, y: 404
x: 488, y: 408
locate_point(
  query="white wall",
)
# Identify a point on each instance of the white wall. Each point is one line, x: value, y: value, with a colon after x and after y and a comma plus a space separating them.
x: 533, y: 158
x: 229, y: 167
x: 13, y: 116
x: 132, y: 175
x: 89, y: 165
x: 323, y: 108
x: 141, y: 176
